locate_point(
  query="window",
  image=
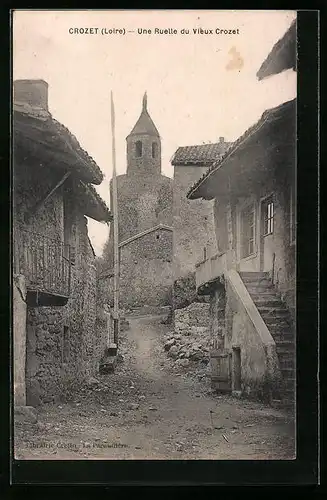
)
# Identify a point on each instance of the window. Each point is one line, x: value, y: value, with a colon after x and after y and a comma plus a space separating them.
x: 247, y: 232
x: 65, y: 345
x: 268, y: 216
x: 138, y: 149
x: 292, y: 216
x: 154, y: 150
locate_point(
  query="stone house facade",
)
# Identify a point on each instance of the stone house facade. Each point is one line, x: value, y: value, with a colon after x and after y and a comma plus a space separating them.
x: 252, y: 278
x: 144, y: 212
x: 193, y: 237
x: 56, y: 342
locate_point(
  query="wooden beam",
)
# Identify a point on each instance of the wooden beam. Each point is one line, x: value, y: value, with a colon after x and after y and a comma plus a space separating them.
x: 38, y: 205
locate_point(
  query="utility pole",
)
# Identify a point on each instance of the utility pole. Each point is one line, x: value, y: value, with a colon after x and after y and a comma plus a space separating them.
x: 115, y: 221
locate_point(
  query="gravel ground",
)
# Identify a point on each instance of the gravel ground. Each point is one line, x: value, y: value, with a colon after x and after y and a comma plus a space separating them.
x: 146, y: 410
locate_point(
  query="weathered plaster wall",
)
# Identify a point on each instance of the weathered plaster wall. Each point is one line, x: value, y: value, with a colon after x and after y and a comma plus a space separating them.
x: 193, y: 222
x: 146, y: 270
x: 259, y: 377
x: 278, y: 182
x: 19, y: 339
x: 218, y: 317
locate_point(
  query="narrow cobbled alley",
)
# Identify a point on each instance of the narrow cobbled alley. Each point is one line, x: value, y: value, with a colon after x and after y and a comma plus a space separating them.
x: 145, y: 410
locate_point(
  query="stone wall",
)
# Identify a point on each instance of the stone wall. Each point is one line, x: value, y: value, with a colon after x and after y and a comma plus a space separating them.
x: 193, y: 222
x: 188, y: 346
x: 63, y: 345
x: 146, y: 270
x: 144, y: 201
x: 184, y: 292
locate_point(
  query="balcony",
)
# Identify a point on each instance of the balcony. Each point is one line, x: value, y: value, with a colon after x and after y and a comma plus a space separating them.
x: 45, y: 264
x: 209, y: 271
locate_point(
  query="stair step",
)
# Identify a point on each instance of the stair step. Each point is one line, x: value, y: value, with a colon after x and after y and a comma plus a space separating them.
x: 286, y: 344
x: 289, y: 392
x: 289, y: 387
x: 273, y: 311
x: 259, y: 289
x: 255, y: 282
x: 285, y: 363
x: 288, y: 372
x: 286, y: 359
x: 282, y: 327
x: 266, y: 295
x: 280, y: 338
x: 255, y: 274
x: 280, y: 321
x: 273, y: 302
x: 284, y: 351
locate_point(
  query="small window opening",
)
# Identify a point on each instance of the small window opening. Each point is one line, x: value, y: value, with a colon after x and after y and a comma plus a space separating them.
x: 138, y: 149
x: 158, y: 236
x: 154, y: 150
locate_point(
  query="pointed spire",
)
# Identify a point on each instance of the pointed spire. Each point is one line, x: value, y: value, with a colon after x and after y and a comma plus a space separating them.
x: 144, y: 124
x: 145, y: 101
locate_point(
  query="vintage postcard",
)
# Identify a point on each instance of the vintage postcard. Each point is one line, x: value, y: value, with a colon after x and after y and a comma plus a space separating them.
x: 154, y: 234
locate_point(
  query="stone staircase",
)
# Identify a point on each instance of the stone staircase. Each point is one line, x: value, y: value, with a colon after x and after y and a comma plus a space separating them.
x: 279, y: 323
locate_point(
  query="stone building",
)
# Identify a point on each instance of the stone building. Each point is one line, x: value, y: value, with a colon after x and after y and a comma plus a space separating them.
x: 144, y: 220
x: 56, y: 340
x: 251, y: 279
x: 193, y: 237
x: 146, y: 267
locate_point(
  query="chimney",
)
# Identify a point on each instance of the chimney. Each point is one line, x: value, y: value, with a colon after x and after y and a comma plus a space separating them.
x: 32, y: 92
x: 221, y: 139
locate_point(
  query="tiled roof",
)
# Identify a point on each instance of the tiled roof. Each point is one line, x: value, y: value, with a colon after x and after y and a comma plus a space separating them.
x: 95, y: 206
x: 268, y: 115
x: 282, y: 56
x: 38, y: 125
x: 203, y: 154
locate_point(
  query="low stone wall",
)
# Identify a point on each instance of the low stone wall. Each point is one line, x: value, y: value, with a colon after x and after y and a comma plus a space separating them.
x: 189, y: 344
x: 184, y: 292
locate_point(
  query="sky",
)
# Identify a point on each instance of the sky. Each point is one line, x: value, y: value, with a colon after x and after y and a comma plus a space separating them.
x: 195, y: 94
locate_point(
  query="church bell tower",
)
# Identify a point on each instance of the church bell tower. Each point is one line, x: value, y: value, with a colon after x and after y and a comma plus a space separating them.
x: 144, y: 146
